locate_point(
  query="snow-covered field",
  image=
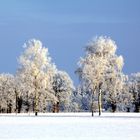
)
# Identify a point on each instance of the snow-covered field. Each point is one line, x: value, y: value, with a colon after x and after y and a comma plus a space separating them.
x: 70, y: 126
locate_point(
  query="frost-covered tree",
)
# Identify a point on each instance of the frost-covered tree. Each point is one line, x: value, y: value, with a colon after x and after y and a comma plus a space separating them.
x: 134, y: 89
x: 63, y: 88
x: 83, y: 98
x: 34, y: 75
x: 125, y: 101
x: 100, y: 69
x: 114, y: 81
x: 18, y: 88
x: 7, y: 93
x: 75, y: 102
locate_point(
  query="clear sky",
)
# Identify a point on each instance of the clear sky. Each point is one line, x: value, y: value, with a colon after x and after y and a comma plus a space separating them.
x: 65, y: 27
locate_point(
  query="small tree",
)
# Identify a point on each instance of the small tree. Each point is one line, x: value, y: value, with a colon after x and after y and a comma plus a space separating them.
x: 134, y: 88
x: 7, y: 93
x: 114, y: 81
x: 63, y: 88
x: 125, y: 101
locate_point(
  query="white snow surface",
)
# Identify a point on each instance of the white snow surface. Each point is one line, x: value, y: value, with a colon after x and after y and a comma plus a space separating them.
x: 70, y: 126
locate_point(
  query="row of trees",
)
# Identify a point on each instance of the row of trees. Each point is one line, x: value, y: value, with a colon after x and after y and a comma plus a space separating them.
x: 100, y: 73
x: 38, y: 86
x: 37, y: 83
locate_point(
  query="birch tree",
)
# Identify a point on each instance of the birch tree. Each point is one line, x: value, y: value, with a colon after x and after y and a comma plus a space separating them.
x: 98, y: 66
x: 35, y: 62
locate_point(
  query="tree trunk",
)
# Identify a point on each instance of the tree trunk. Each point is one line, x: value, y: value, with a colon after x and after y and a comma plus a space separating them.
x: 100, y: 102
x: 16, y: 101
x: 92, y: 106
x: 36, y: 97
x: 55, y: 107
x: 113, y: 106
x: 19, y: 104
x: 137, y: 108
x: 36, y: 104
x: 7, y: 107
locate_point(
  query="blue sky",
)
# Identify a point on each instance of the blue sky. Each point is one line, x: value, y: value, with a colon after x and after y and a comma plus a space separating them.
x: 65, y: 26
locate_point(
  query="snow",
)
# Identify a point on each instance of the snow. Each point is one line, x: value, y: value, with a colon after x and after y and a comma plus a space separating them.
x: 70, y: 126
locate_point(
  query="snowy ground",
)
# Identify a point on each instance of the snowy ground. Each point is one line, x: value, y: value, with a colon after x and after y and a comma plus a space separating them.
x: 70, y: 126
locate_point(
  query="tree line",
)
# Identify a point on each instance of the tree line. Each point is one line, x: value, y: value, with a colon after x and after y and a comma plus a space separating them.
x: 38, y: 86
